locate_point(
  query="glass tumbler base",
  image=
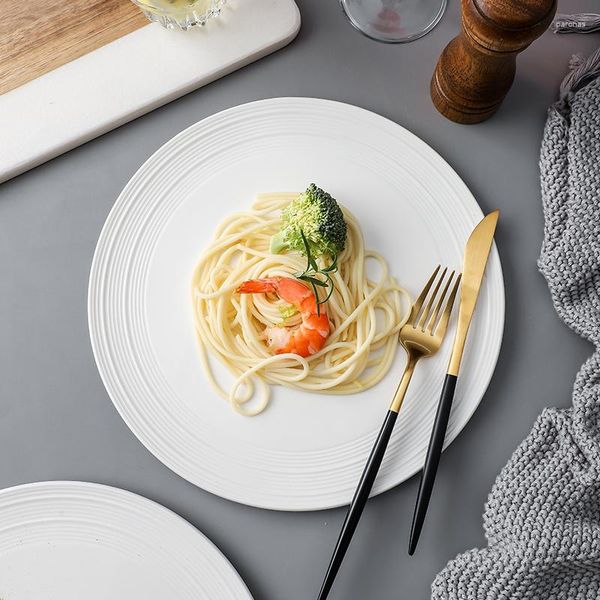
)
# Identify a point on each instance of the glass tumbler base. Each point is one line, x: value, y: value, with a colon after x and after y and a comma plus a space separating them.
x: 394, y: 21
x: 184, y: 21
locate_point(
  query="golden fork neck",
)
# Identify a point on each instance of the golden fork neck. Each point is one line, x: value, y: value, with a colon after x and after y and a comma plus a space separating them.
x: 403, y: 385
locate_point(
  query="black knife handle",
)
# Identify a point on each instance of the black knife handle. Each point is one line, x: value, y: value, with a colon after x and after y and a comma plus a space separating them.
x: 358, y: 502
x: 436, y: 443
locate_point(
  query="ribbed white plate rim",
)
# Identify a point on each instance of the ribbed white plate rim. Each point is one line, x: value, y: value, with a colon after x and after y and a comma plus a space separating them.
x: 82, y: 512
x: 300, y: 109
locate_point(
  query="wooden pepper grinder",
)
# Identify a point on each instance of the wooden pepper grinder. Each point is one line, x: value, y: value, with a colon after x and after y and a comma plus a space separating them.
x: 477, y: 68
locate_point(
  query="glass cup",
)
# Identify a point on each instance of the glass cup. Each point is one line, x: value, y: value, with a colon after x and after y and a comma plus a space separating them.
x: 180, y: 14
x: 394, y: 21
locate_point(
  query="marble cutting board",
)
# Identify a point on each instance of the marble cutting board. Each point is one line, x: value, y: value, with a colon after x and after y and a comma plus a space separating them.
x: 144, y: 68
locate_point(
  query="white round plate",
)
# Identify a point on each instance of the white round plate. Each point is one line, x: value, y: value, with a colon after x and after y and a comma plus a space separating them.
x: 306, y: 451
x: 71, y: 540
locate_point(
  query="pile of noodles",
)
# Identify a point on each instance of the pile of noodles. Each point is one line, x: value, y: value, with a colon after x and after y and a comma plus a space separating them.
x: 365, y: 314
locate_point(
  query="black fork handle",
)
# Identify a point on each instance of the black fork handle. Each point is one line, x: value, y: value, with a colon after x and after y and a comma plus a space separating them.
x: 358, y: 502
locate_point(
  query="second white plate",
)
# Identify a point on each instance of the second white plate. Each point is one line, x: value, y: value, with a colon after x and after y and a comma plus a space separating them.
x: 306, y: 451
x: 71, y: 540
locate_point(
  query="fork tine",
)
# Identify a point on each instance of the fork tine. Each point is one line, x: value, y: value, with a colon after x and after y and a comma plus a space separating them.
x: 435, y: 314
x: 416, y: 307
x: 425, y: 316
x: 440, y: 330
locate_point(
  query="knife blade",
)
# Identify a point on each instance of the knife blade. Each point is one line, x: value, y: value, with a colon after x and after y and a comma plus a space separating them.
x: 477, y: 252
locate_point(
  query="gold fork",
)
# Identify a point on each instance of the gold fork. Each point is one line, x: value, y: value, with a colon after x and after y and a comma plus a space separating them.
x: 421, y: 336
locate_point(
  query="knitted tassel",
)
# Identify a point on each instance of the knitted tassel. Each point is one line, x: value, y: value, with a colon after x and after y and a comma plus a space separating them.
x: 581, y: 23
x: 582, y: 71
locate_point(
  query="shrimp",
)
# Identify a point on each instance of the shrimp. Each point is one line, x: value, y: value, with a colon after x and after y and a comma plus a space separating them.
x: 304, y: 339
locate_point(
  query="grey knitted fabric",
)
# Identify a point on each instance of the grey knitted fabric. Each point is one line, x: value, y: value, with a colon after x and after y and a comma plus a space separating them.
x: 542, y: 518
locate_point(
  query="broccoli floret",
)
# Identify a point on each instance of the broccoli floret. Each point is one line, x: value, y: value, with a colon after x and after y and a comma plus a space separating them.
x: 317, y: 215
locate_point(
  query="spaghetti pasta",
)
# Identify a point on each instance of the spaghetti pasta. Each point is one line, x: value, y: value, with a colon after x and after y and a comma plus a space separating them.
x: 365, y: 314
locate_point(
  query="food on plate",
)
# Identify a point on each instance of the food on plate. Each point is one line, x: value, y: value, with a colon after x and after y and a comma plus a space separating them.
x: 282, y: 296
x: 314, y: 217
x: 304, y: 339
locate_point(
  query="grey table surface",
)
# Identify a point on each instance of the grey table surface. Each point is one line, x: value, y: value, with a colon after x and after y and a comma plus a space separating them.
x: 57, y: 422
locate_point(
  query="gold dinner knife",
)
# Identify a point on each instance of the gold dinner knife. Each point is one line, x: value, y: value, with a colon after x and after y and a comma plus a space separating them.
x: 477, y: 252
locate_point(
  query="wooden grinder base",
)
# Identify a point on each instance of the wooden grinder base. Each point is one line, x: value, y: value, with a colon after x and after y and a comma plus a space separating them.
x: 477, y: 68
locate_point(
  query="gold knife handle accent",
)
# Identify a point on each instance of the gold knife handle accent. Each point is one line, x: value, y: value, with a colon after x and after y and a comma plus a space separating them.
x: 458, y: 348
